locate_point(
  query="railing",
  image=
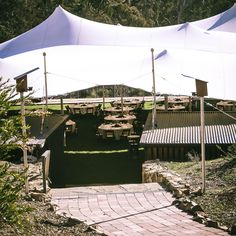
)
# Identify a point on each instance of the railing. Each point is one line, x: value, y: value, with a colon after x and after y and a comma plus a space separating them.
x: 45, y: 168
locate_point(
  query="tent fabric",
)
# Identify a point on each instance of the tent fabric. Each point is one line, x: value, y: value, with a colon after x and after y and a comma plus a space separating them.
x: 81, y: 53
x: 224, y: 21
x: 63, y: 28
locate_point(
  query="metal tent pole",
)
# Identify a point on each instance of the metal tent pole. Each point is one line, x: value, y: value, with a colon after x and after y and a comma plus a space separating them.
x: 45, y: 77
x: 154, y: 92
x: 203, y: 144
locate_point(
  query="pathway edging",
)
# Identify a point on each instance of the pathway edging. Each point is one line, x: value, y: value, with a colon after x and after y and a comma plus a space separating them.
x: 152, y: 171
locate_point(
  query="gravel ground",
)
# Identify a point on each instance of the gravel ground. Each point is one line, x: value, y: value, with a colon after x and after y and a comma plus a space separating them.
x: 42, y: 220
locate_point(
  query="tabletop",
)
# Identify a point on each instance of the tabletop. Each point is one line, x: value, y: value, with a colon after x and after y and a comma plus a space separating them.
x: 118, y: 109
x: 119, y: 117
x: 115, y: 130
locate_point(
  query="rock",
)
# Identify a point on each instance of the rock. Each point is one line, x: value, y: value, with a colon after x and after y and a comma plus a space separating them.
x: 211, y: 223
x: 233, y: 230
x: 186, y: 191
x: 200, y: 217
x: 180, y: 189
x: 38, y: 196
x: 178, y: 193
x: 197, y: 192
x: 225, y: 228
x: 195, y: 207
x: 200, y: 214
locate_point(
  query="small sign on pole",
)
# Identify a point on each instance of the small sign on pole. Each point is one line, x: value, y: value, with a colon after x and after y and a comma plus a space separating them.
x: 201, y: 87
x: 21, y: 84
x: 21, y: 87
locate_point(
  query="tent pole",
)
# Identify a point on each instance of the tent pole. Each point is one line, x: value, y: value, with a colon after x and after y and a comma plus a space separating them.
x: 45, y: 77
x: 154, y: 92
x: 122, y: 102
x: 103, y: 97
x: 203, y: 144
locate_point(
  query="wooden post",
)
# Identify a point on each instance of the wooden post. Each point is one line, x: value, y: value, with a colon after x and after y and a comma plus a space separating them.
x: 21, y: 87
x: 189, y: 104
x: 154, y: 92
x: 62, y: 109
x: 24, y: 144
x: 103, y: 97
x: 45, y: 167
x: 201, y: 87
x: 122, y: 100
x: 166, y: 103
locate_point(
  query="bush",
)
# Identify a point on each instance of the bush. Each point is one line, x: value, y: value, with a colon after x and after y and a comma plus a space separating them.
x: 11, y: 186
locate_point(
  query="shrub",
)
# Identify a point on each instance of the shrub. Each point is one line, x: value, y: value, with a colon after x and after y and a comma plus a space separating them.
x: 11, y: 185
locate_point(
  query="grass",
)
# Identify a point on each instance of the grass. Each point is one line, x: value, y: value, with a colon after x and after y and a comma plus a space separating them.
x: 57, y: 107
x: 219, y: 199
x: 36, y: 107
x: 100, y: 152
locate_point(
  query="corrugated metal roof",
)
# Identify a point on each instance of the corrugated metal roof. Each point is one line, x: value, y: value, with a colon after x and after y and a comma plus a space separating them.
x: 214, y: 134
x: 186, y: 119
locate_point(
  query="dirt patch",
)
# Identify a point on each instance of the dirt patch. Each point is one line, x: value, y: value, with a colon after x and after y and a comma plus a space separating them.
x: 42, y: 220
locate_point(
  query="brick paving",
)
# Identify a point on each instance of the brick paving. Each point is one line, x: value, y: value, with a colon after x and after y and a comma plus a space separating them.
x: 129, y: 209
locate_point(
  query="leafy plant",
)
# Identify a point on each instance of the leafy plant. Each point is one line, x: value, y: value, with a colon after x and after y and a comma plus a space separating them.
x: 9, y: 127
x: 11, y: 184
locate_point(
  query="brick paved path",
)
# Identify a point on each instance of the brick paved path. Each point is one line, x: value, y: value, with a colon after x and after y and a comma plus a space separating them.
x: 132, y: 209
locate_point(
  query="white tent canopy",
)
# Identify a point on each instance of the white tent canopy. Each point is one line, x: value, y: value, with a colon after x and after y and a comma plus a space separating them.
x: 224, y: 21
x: 82, y: 53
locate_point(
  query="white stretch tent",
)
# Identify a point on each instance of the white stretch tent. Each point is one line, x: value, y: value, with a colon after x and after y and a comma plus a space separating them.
x: 83, y: 53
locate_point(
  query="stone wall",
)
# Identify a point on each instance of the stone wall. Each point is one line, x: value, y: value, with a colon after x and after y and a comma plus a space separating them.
x: 152, y: 171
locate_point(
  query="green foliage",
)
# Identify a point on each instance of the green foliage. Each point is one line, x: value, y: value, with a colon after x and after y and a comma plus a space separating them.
x: 232, y: 151
x: 10, y: 129
x: 11, y: 211
x: 11, y: 183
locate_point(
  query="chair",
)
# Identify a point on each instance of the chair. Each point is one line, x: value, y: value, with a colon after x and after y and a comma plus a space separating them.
x: 70, y: 127
x: 109, y: 134
x: 90, y: 111
x: 69, y: 110
x: 125, y: 133
x: 112, y: 103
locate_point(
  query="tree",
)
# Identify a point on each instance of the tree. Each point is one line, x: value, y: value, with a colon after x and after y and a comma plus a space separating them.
x: 10, y: 128
x: 11, y: 183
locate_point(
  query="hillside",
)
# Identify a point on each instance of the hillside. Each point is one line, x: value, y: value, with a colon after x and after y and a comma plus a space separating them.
x: 219, y: 200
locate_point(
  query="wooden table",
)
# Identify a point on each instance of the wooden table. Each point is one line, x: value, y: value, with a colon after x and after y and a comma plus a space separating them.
x: 115, y: 130
x: 120, y: 118
x: 71, y: 126
x: 226, y: 105
x: 171, y: 108
x: 179, y: 101
x: 117, y: 110
x: 86, y: 108
x: 134, y: 103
